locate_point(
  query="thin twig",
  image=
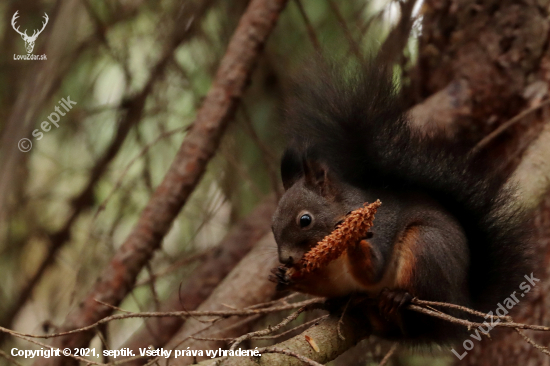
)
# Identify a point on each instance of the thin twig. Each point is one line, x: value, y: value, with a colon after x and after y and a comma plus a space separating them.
x: 269, y: 159
x: 282, y: 299
x: 316, y: 320
x: 235, y: 325
x: 114, y: 307
x: 354, y: 47
x: 177, y: 265
x: 341, y: 321
x: 143, y: 151
x: 269, y: 329
x: 470, y: 324
x: 152, y: 286
x: 9, y: 358
x: 217, y: 313
x: 310, y: 30
x: 389, y: 354
x: 485, y: 141
x: 533, y: 343
x: 458, y: 307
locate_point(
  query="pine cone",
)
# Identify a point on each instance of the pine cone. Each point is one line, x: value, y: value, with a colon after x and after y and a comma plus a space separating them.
x: 354, y: 228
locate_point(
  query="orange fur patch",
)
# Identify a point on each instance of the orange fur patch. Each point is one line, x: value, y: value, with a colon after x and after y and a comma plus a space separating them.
x: 407, y: 259
x: 360, y: 260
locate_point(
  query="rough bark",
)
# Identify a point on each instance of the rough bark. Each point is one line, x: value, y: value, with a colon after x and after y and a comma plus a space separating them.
x: 495, y: 46
x: 205, y: 279
x: 198, y: 147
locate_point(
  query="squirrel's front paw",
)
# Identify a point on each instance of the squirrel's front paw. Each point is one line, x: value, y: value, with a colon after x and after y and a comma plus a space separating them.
x: 281, y: 277
x: 391, y: 301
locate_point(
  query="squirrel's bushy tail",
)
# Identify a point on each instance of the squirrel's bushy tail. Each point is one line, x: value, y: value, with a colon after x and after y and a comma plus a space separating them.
x: 355, y: 121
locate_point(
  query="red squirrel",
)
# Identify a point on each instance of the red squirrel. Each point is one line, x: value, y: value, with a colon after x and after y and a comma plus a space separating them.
x: 446, y: 230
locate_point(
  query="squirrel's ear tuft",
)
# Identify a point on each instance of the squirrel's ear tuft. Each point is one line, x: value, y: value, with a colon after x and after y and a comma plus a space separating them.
x: 291, y: 168
x: 318, y: 177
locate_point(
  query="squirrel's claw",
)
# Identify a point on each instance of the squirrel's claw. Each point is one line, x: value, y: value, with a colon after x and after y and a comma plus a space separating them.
x: 280, y: 277
x: 390, y: 304
x: 391, y: 301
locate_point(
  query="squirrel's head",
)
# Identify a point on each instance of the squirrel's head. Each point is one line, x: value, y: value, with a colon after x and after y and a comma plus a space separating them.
x: 309, y: 210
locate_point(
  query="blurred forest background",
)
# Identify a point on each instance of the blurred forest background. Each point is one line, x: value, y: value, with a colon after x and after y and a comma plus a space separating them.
x: 139, y: 72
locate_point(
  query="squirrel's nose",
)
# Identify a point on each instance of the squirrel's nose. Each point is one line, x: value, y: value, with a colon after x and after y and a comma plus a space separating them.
x: 287, y: 261
x: 285, y: 258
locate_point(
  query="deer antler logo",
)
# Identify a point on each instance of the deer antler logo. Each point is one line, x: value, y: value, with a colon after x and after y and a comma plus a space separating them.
x: 29, y: 41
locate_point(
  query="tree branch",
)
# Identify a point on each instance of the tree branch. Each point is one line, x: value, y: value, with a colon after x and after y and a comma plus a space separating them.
x: 325, y: 336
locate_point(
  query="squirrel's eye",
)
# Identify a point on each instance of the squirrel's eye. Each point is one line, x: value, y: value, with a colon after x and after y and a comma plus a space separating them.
x: 305, y: 220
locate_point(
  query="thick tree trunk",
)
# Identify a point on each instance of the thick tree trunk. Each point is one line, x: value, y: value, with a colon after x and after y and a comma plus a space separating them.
x: 488, y: 61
